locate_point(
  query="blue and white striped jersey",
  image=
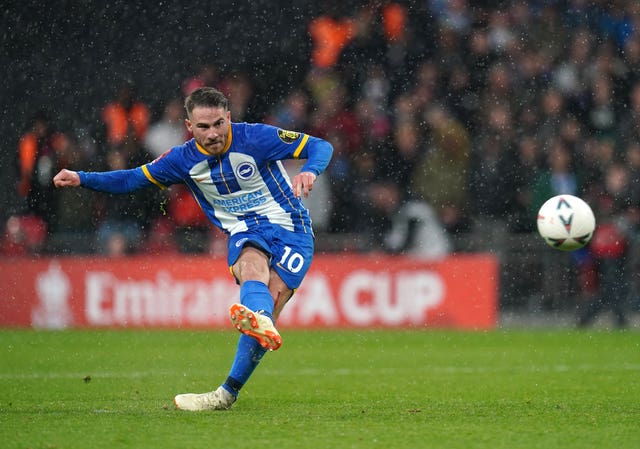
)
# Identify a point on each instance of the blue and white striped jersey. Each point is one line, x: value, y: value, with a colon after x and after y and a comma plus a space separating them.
x: 245, y: 186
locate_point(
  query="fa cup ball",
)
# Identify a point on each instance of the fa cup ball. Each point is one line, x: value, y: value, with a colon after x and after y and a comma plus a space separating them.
x: 566, y: 222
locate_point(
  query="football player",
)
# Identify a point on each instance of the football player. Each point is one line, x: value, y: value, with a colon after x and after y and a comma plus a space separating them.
x: 234, y: 172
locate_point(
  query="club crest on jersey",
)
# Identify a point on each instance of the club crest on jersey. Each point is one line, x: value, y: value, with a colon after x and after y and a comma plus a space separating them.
x: 288, y: 136
x: 245, y: 170
x: 241, y: 242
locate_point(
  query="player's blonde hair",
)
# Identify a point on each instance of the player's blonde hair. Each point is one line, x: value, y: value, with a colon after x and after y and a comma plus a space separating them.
x: 205, y: 97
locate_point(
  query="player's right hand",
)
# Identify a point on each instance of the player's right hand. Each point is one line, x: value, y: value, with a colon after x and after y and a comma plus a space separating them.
x: 66, y: 178
x: 302, y: 184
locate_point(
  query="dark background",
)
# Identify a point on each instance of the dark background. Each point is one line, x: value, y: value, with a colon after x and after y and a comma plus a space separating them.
x: 69, y: 57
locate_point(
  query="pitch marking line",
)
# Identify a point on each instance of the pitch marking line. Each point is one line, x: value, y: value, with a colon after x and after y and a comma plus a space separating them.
x: 336, y: 372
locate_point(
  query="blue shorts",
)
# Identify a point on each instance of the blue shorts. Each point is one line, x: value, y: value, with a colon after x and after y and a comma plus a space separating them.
x: 290, y: 253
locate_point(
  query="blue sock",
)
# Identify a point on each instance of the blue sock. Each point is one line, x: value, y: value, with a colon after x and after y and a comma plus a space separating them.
x: 256, y: 296
x: 248, y: 355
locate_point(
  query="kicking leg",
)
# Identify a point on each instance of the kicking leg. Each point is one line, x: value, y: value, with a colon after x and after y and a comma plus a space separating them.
x: 250, y: 349
x: 254, y: 315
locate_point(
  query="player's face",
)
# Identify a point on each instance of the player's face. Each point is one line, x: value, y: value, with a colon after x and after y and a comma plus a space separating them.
x: 210, y: 128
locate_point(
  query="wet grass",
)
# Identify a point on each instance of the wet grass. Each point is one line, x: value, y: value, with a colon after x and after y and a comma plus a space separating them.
x: 340, y: 389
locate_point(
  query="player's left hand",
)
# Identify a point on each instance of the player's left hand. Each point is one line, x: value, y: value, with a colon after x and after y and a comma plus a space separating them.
x: 66, y: 178
x: 303, y: 183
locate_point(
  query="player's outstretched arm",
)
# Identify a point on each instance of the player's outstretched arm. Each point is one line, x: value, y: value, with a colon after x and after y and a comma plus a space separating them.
x: 66, y: 178
x: 116, y: 181
x: 318, y: 153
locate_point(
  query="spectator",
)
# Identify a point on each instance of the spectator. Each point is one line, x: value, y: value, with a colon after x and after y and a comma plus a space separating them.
x: 238, y: 87
x: 120, y: 217
x: 365, y: 47
x: 547, y: 31
x: 615, y: 22
x: 346, y: 184
x: 631, y: 63
x: 602, y: 117
x: 571, y: 75
x: 440, y: 176
x: 454, y: 15
x: 500, y: 33
x: 404, y: 108
x: 332, y: 113
x: 208, y: 75
x: 552, y: 113
x: 292, y: 112
x: 478, y: 56
x: 526, y: 169
x: 375, y: 87
x: 492, y: 169
x: 629, y: 125
x: 559, y: 177
x: 463, y: 102
x: 417, y: 231
x: 167, y: 132
x: 398, y: 43
x: 39, y: 151
x: 74, y: 212
x: 500, y: 88
x: 609, y: 247
x: 397, y: 160
x: 125, y: 118
x: 329, y: 34
x: 594, y: 155
x: 374, y: 123
x: 426, y: 86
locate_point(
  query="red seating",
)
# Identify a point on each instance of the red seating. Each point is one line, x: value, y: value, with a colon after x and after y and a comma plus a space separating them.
x: 161, y: 238
x: 23, y: 235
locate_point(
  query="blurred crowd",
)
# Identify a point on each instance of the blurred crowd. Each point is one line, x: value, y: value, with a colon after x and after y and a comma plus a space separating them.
x: 448, y: 118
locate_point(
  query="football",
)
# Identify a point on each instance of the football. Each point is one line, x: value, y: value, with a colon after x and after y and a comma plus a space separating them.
x: 566, y: 222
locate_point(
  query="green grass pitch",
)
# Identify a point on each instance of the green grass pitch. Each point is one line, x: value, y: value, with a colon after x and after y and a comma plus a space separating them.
x: 324, y: 389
